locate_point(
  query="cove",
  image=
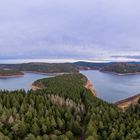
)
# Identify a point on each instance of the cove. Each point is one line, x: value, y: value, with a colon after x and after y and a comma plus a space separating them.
x: 112, y: 87
x: 22, y: 82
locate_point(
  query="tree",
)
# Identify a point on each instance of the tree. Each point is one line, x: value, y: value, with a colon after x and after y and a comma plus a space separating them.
x: 30, y: 137
x: 46, y: 137
x: 35, y: 129
x: 69, y: 134
x: 76, y: 128
x: 63, y: 137
x: 60, y: 123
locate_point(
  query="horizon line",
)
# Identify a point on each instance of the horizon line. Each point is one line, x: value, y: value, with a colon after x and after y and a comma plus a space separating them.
x: 18, y: 61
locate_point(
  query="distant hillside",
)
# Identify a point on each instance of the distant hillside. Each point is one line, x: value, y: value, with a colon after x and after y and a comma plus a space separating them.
x: 89, y: 65
x: 122, y: 68
x: 116, y: 67
x: 8, y: 73
x: 42, y: 67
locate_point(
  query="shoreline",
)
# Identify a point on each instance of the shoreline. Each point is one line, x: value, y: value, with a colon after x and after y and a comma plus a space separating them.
x: 125, y: 103
x: 11, y: 76
x: 110, y: 72
x: 122, y: 104
x: 90, y: 87
x: 34, y: 88
x: 45, y: 73
x: 120, y: 74
x: 35, y: 72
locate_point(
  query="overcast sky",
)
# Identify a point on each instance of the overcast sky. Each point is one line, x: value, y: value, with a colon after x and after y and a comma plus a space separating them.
x: 70, y: 29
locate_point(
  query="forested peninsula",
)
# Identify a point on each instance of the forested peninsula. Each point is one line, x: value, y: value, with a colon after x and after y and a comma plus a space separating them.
x: 64, y: 110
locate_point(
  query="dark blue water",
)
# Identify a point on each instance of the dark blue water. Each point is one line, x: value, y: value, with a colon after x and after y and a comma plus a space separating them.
x: 111, y: 87
x: 23, y: 82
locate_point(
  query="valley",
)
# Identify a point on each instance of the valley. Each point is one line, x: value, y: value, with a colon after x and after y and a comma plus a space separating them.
x: 69, y: 106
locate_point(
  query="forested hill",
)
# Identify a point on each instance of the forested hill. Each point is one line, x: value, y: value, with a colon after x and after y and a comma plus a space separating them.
x: 81, y: 65
x: 6, y: 72
x: 122, y: 68
x: 64, y: 110
x: 41, y: 67
x: 116, y: 67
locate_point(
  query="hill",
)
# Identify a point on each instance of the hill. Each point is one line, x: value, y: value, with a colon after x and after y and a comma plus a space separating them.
x: 41, y: 67
x: 122, y: 68
x: 81, y: 65
x: 116, y: 67
x: 10, y: 73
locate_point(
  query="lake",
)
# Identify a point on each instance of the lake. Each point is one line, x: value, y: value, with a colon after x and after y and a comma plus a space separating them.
x: 22, y: 82
x: 113, y: 87
x: 109, y: 87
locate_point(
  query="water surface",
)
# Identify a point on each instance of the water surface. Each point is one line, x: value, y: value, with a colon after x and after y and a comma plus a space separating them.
x: 22, y: 82
x: 109, y: 87
x: 112, y: 87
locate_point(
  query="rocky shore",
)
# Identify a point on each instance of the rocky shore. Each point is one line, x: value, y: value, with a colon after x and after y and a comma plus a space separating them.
x: 124, y: 104
x: 89, y: 86
x: 34, y: 88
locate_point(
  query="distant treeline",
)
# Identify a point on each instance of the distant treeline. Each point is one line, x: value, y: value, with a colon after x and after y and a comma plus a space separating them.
x: 117, y: 67
x: 6, y: 72
x: 41, y: 67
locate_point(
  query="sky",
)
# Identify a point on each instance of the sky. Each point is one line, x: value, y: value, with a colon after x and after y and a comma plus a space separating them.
x: 94, y: 30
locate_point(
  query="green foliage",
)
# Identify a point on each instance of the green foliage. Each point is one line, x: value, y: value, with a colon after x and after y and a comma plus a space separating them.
x: 117, y: 67
x: 122, y: 68
x: 7, y: 72
x: 64, y: 110
x: 41, y: 67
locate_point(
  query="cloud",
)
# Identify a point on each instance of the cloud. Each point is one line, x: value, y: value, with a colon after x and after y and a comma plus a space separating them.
x: 87, y: 29
x: 127, y: 56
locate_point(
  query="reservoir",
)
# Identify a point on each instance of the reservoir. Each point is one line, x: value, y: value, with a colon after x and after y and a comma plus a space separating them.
x: 112, y: 87
x: 22, y: 82
x: 109, y: 87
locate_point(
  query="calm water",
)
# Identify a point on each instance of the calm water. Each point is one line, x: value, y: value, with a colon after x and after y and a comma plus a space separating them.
x: 112, y: 87
x: 23, y: 82
x: 109, y: 87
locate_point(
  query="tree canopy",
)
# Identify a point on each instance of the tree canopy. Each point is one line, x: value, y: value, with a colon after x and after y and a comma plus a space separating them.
x: 64, y: 110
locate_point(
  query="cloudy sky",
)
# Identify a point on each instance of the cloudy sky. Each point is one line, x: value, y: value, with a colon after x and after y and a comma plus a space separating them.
x: 70, y: 29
